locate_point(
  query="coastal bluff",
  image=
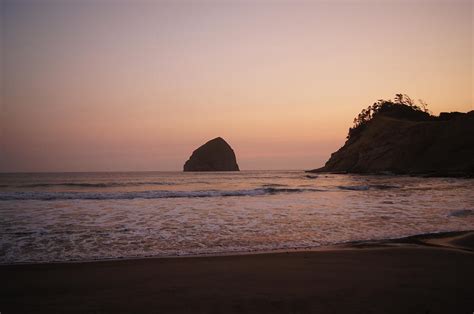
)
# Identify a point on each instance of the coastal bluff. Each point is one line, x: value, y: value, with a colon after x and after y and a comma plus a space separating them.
x: 399, y: 139
x: 215, y: 155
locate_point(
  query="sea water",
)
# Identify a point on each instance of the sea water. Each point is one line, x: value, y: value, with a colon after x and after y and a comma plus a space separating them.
x: 89, y: 216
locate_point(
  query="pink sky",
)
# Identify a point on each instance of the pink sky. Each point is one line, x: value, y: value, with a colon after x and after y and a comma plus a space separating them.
x: 138, y: 85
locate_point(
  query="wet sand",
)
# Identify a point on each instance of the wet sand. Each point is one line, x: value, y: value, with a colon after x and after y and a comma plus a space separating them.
x: 423, y: 274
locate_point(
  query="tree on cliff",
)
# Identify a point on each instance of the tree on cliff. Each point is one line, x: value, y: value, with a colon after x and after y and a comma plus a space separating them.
x: 401, y: 101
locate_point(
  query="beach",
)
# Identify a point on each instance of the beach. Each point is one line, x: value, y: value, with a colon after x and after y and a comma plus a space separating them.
x: 421, y: 274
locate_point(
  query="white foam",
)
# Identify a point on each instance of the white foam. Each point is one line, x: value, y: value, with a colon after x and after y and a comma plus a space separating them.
x: 267, y: 219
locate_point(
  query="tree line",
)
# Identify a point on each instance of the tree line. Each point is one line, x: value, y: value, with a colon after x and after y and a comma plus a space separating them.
x: 369, y: 113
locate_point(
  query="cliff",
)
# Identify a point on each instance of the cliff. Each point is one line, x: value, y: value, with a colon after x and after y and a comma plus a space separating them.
x: 402, y: 140
x: 215, y: 155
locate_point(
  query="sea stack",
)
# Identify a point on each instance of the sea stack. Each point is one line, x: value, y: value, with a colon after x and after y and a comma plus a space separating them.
x: 215, y: 155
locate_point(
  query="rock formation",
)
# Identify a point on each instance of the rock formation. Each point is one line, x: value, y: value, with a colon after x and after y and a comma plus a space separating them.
x: 215, y: 155
x: 401, y: 141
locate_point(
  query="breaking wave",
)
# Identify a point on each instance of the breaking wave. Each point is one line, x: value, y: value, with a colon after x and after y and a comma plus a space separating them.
x: 51, y: 196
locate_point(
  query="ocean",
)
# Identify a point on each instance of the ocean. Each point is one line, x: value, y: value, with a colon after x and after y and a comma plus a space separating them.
x: 54, y: 217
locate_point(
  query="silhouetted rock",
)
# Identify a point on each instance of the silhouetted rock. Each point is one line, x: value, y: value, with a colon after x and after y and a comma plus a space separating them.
x: 215, y: 155
x: 403, y: 142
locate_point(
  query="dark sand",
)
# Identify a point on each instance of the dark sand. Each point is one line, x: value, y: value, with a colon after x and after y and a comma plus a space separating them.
x: 427, y: 274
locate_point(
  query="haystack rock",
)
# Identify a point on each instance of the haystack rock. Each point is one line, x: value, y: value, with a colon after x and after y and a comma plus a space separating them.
x: 215, y: 155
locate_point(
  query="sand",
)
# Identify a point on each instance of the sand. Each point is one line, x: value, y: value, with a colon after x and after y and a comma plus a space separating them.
x: 427, y: 274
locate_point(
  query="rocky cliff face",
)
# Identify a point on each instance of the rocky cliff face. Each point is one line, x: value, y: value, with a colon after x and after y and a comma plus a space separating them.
x: 215, y: 155
x: 409, y: 144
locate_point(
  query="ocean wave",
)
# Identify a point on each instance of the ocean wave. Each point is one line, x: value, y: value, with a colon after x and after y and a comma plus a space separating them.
x: 51, y: 196
x: 354, y: 187
x: 462, y: 213
x: 68, y: 231
x: 368, y: 187
x: 384, y: 186
x: 92, y: 185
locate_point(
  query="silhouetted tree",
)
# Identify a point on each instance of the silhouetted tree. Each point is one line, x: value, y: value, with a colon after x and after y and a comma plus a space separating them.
x: 424, y: 105
x: 370, y: 112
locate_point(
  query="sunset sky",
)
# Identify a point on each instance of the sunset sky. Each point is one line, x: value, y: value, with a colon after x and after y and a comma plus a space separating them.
x: 138, y: 85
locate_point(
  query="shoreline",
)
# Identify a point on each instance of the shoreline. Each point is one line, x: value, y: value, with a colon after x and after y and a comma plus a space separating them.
x: 416, y: 239
x: 454, y: 175
x: 418, y: 274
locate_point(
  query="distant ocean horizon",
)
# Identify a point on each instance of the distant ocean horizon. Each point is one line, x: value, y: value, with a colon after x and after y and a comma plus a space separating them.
x: 143, y: 171
x: 79, y: 216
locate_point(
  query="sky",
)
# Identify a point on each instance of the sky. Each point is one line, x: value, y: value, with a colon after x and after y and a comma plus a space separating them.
x: 138, y: 85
